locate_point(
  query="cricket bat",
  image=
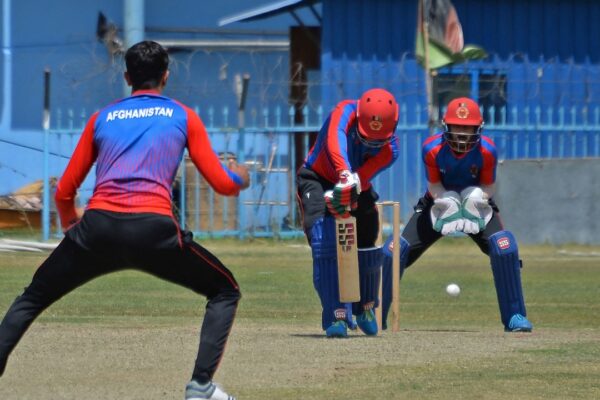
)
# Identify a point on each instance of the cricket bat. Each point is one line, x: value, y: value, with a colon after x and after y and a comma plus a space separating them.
x: 347, y: 259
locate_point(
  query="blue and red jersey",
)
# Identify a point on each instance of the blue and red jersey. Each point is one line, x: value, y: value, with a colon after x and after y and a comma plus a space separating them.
x: 338, y: 148
x: 137, y: 144
x: 459, y: 171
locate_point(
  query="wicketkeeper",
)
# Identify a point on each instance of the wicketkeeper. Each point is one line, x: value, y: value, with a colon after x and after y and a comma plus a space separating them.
x: 460, y: 164
x: 356, y: 143
x: 137, y: 144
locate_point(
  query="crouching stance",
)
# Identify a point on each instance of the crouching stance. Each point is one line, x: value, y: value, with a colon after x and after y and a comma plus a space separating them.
x: 356, y: 143
x: 137, y: 144
x: 461, y: 170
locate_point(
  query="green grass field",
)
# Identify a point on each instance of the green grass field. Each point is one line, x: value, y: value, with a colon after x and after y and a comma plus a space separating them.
x: 132, y: 336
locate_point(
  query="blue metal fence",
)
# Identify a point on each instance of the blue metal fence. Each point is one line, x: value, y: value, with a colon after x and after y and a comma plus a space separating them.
x: 266, y: 144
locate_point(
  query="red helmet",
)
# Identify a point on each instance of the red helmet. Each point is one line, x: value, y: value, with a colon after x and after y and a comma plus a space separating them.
x: 377, y: 113
x: 462, y: 112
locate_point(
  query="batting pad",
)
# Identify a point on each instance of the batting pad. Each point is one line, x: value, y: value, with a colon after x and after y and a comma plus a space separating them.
x: 369, y: 270
x: 387, y: 272
x: 325, y: 275
x: 506, y: 267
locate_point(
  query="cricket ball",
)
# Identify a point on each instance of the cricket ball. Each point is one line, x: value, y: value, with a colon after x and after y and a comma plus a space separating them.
x: 453, y: 289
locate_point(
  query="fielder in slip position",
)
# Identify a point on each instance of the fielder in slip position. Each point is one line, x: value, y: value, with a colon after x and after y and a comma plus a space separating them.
x: 356, y: 143
x: 460, y: 164
x: 137, y: 144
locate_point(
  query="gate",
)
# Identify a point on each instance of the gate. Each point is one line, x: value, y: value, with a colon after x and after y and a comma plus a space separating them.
x: 267, y: 146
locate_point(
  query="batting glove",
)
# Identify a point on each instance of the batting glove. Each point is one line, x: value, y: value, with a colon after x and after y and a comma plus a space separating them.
x: 346, y: 191
x: 334, y: 207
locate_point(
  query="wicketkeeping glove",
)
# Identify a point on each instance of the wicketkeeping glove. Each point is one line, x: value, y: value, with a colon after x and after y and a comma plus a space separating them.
x: 476, y: 210
x: 446, y: 215
x: 346, y: 191
x: 334, y: 207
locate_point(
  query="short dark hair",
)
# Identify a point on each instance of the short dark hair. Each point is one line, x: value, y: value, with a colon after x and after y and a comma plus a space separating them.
x: 146, y: 63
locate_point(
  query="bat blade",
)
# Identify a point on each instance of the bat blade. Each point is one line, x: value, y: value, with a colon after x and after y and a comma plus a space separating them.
x: 347, y: 257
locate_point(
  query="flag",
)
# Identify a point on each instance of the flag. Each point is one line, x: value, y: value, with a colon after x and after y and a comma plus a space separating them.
x: 445, y: 35
x: 440, y: 55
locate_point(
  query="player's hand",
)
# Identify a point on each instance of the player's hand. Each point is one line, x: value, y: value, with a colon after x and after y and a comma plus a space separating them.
x: 446, y: 213
x: 346, y: 191
x: 475, y: 209
x: 334, y: 207
x: 241, y: 171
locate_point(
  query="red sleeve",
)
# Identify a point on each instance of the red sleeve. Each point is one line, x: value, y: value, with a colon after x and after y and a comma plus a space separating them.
x: 373, y: 165
x: 342, y: 117
x: 431, y: 168
x: 222, y: 180
x: 81, y: 161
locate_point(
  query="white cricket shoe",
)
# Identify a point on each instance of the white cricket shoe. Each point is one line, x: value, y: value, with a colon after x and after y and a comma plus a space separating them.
x: 208, y: 391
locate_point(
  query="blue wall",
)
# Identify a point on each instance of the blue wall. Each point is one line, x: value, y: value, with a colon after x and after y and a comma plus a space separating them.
x: 61, y: 35
x: 367, y: 43
x: 548, y: 49
x: 85, y: 77
x: 551, y: 28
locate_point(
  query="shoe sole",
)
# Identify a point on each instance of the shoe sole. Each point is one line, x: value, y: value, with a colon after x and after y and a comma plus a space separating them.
x: 229, y: 397
x: 518, y: 330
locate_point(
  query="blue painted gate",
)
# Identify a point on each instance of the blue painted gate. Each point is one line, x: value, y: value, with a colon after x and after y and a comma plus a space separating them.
x: 267, y: 146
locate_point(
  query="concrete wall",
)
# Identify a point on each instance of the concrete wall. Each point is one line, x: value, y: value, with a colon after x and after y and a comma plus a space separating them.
x: 550, y: 201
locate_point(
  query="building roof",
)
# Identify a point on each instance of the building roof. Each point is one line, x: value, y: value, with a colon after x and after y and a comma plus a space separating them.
x: 274, y: 9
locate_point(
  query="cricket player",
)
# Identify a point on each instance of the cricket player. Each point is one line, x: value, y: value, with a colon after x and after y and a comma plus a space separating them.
x: 356, y: 143
x: 460, y: 165
x: 137, y: 144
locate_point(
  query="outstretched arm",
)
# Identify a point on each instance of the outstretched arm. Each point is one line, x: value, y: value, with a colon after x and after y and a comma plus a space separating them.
x: 227, y: 181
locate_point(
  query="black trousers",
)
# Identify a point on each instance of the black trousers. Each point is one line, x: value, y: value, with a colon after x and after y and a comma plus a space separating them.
x: 311, y: 191
x: 419, y: 232
x: 105, y: 242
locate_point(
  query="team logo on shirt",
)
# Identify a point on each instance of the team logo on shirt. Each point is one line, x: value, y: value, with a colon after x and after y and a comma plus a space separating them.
x: 140, y: 113
x: 474, y: 171
x: 375, y: 123
x: 462, y: 111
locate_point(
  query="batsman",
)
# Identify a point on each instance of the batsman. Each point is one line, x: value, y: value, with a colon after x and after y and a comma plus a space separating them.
x: 356, y: 143
x: 460, y: 165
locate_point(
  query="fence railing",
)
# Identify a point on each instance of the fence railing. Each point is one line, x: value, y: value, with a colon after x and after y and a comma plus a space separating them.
x: 268, y: 145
